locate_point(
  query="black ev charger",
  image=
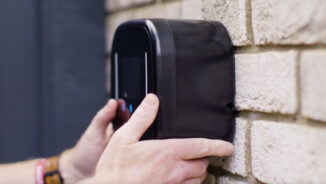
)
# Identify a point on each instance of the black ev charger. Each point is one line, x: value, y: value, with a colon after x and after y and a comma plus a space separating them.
x: 190, y: 66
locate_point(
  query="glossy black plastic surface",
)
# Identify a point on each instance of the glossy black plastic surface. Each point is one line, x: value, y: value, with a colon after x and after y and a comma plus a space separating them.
x: 190, y: 66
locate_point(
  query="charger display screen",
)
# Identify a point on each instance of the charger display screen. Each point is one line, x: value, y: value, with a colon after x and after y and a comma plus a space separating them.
x: 132, y: 77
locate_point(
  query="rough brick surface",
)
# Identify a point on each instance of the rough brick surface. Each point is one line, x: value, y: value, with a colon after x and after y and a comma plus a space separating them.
x: 287, y: 153
x: 230, y: 180
x: 237, y: 163
x: 192, y: 9
x: 165, y: 10
x: 232, y: 13
x: 114, y: 5
x: 266, y: 82
x: 313, y: 84
x: 289, y: 22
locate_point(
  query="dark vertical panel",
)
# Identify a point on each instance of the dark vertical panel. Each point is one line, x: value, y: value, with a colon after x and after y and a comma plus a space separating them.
x: 73, y: 69
x: 51, y: 74
x: 19, y: 80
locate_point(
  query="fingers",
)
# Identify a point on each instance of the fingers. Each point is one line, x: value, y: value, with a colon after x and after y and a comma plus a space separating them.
x: 195, y: 180
x: 191, y: 171
x: 203, y: 177
x: 199, y: 180
x: 188, y: 149
x: 109, y: 131
x: 103, y: 118
x: 195, y: 168
x: 140, y: 121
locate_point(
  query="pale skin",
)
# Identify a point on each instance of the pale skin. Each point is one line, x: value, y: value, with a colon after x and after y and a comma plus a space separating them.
x: 103, y: 156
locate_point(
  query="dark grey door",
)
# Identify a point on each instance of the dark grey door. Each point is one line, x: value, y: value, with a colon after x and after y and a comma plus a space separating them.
x: 52, y: 74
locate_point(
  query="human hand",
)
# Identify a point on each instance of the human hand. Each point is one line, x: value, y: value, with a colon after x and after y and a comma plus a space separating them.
x: 127, y: 160
x: 80, y: 162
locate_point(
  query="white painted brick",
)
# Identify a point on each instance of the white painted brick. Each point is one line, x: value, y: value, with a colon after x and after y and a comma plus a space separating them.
x: 313, y: 84
x: 165, y: 10
x: 114, y: 5
x: 288, y: 153
x: 192, y: 9
x: 289, y: 22
x: 266, y: 82
x: 232, y: 13
x: 237, y: 163
x: 230, y: 180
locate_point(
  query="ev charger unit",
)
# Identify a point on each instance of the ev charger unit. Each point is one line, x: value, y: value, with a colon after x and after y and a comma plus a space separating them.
x: 188, y: 64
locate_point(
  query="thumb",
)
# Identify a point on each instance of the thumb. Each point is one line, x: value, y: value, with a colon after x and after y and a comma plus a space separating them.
x: 140, y: 121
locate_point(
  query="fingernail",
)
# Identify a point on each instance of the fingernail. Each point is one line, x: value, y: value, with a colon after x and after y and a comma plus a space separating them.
x: 151, y: 99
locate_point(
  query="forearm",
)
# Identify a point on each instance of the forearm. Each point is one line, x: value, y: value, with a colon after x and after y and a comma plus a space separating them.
x: 94, y: 180
x: 24, y: 172
x: 21, y: 172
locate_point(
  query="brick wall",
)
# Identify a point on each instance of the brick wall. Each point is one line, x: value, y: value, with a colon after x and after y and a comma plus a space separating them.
x: 280, y: 81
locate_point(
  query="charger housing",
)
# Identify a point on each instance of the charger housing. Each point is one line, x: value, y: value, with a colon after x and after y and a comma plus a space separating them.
x: 188, y: 64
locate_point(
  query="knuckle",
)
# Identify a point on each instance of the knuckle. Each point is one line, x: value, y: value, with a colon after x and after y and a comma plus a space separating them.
x: 197, y: 181
x: 177, y: 177
x: 198, y: 169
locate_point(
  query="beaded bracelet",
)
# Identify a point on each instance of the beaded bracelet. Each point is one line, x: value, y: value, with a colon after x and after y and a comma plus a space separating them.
x: 47, y: 171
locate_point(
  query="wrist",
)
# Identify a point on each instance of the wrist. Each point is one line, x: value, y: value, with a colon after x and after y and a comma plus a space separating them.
x: 95, y: 180
x: 67, y: 168
x: 46, y: 171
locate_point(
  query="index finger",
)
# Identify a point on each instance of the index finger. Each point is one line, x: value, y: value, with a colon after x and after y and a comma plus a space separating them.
x: 194, y: 148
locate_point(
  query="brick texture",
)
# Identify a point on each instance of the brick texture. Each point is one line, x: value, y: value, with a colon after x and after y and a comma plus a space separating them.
x: 232, y: 13
x: 192, y: 9
x: 286, y: 153
x: 266, y: 82
x: 230, y: 180
x: 114, y: 5
x: 237, y: 164
x: 289, y: 22
x: 313, y: 84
